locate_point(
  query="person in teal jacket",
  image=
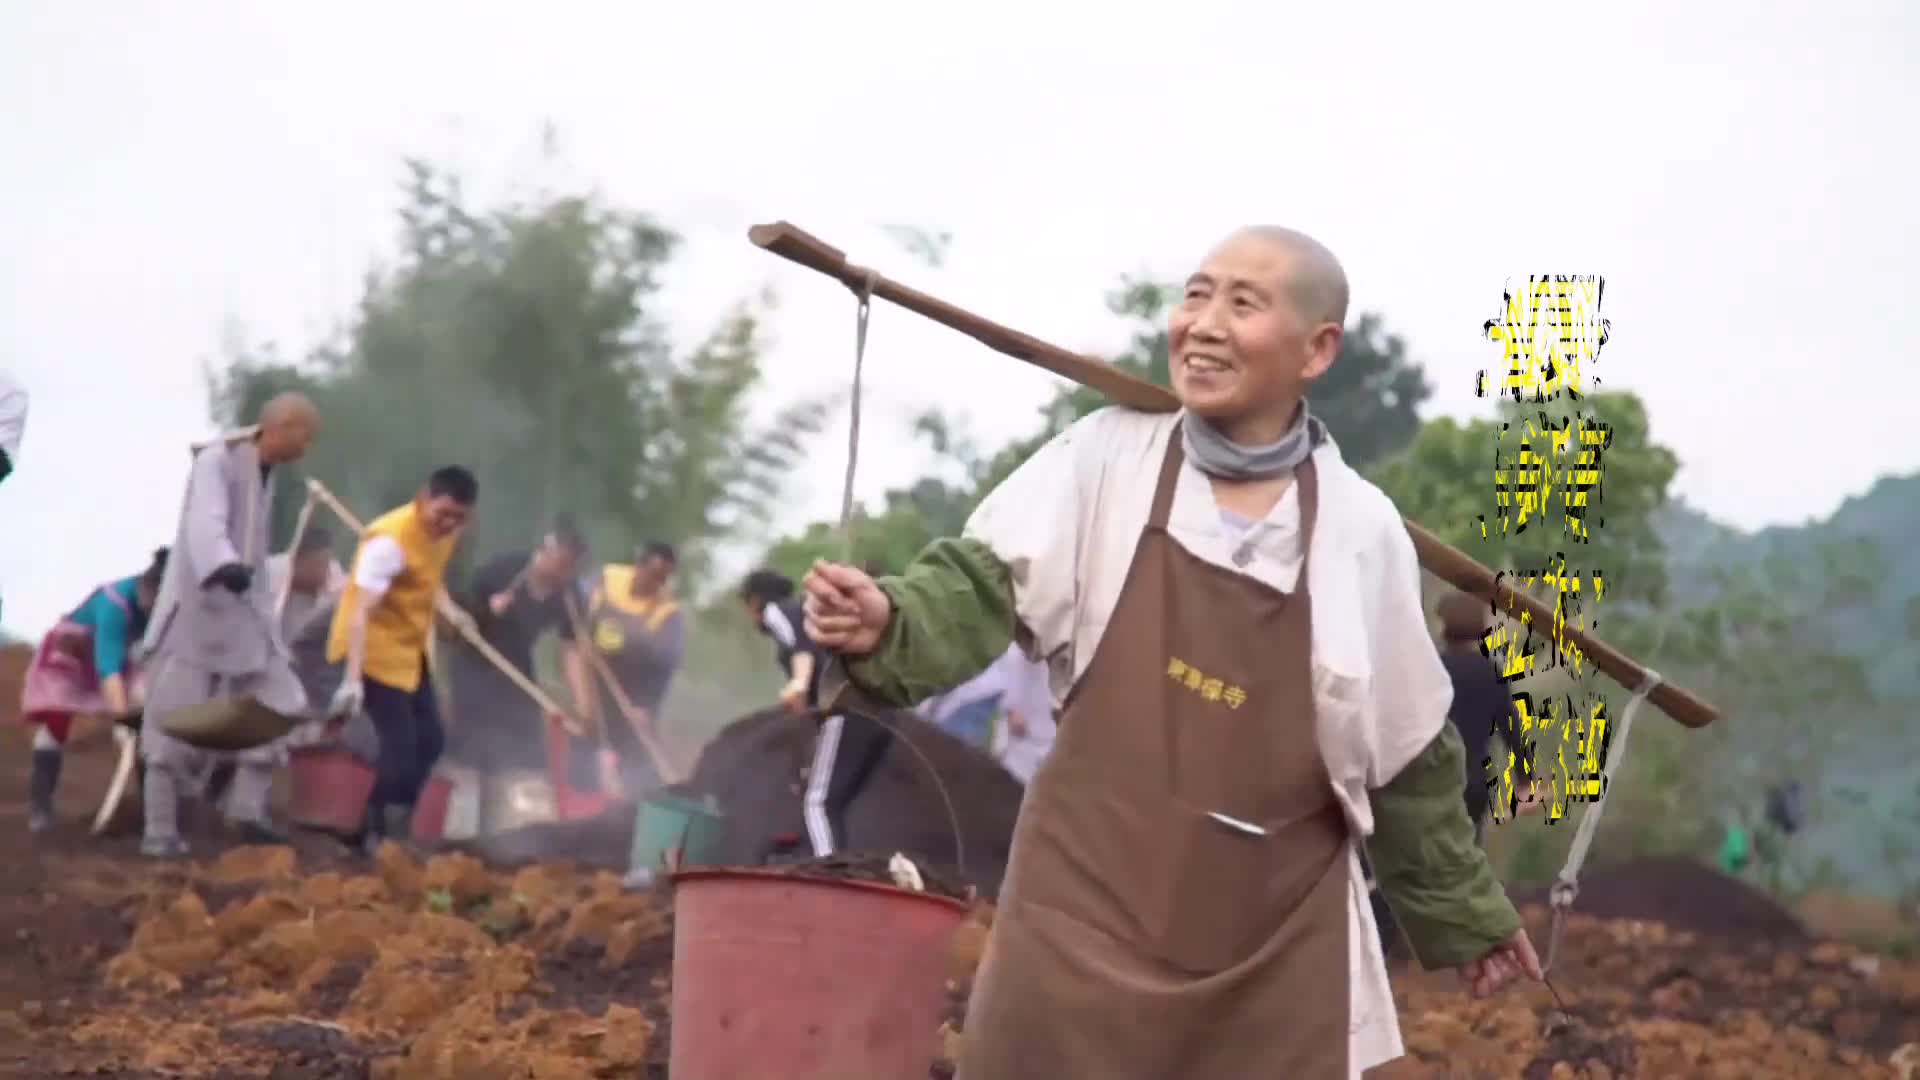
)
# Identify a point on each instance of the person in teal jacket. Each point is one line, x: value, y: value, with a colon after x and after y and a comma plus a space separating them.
x: 86, y: 665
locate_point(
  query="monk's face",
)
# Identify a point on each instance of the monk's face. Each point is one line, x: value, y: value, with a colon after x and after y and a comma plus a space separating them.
x: 443, y: 515
x: 1240, y: 353
x: 286, y: 439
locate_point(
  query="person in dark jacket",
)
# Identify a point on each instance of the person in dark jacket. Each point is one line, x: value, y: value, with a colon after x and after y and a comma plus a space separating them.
x: 850, y: 747
x: 1482, y: 703
x: 516, y: 598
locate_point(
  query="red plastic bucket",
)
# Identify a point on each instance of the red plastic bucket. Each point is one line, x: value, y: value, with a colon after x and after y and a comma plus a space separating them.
x: 777, y: 977
x: 430, y: 812
x: 569, y: 803
x: 330, y: 789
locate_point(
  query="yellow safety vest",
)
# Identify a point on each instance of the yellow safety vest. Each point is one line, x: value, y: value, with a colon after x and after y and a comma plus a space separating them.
x: 401, y: 622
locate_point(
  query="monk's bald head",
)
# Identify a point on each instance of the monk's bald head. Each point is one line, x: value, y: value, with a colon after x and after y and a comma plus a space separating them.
x: 288, y: 423
x: 1258, y: 322
x: 1312, y: 277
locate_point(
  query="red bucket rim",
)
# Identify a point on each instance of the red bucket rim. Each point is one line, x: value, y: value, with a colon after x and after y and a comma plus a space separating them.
x: 755, y: 873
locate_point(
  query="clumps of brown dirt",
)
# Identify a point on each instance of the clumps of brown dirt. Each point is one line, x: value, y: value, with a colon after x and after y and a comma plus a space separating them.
x: 1646, y: 1000
x: 1650, y: 1000
x: 425, y: 970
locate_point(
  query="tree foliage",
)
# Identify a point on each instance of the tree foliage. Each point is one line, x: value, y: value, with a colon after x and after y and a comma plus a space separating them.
x: 522, y: 342
x: 1445, y: 479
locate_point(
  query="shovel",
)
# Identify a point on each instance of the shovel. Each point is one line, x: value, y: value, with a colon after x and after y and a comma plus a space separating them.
x: 229, y: 724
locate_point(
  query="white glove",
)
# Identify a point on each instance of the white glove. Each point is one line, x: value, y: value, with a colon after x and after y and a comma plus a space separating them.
x: 347, y: 700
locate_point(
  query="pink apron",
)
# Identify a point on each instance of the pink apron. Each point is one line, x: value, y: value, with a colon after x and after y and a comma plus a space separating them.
x: 61, y: 682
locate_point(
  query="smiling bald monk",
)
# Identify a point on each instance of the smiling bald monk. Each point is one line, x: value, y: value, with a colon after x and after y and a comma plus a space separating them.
x: 1233, y: 618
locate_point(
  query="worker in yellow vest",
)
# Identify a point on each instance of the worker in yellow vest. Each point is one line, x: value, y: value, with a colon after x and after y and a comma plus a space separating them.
x: 639, y: 633
x: 381, y: 630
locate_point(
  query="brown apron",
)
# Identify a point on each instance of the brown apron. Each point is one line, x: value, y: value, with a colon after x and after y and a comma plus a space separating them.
x: 1140, y: 937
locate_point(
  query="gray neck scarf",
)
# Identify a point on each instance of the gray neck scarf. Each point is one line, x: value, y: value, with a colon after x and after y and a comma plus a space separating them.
x: 1218, y: 456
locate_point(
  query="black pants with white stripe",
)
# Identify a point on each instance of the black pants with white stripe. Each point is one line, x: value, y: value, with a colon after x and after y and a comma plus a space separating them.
x: 849, y: 749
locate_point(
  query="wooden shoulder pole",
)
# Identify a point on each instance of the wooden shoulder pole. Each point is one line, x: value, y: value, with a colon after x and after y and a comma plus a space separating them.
x: 1443, y: 560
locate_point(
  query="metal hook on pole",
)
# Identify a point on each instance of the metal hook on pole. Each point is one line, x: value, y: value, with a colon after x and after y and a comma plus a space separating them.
x: 1566, y: 887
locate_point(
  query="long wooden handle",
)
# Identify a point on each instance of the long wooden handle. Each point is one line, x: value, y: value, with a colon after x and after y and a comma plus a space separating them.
x: 1443, y: 560
x: 662, y: 762
x: 791, y: 242
x: 457, y: 618
x: 293, y: 551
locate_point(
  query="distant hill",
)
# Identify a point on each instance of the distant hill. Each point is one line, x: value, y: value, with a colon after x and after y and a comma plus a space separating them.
x: 1885, y: 629
x: 1867, y: 798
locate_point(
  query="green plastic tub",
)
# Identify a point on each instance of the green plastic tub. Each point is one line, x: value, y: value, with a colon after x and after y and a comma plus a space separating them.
x: 668, y: 823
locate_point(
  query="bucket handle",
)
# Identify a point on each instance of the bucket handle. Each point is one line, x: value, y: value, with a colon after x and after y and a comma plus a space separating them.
x: 939, y: 785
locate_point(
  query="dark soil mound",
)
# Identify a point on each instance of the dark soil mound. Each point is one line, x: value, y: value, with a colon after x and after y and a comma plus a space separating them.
x: 752, y: 769
x: 1684, y: 895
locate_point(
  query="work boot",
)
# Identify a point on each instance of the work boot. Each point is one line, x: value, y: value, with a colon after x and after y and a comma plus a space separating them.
x: 397, y: 823
x: 45, y: 780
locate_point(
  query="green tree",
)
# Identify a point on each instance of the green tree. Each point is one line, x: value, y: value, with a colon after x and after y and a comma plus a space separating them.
x: 1444, y: 479
x: 521, y: 342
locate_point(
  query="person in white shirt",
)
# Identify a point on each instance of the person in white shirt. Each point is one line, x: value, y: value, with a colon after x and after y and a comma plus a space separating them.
x: 1232, y: 619
x: 382, y: 629
x: 1014, y: 689
x: 1025, y: 734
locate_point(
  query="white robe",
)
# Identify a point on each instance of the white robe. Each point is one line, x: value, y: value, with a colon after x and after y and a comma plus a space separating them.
x: 1380, y: 692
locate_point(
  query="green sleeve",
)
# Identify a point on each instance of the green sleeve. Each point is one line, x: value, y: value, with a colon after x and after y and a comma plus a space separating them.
x: 952, y: 618
x: 1435, y: 878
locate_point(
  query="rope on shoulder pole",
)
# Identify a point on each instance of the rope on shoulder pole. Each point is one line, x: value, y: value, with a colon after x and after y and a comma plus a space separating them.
x: 1567, y: 886
x: 864, y: 291
x: 862, y: 285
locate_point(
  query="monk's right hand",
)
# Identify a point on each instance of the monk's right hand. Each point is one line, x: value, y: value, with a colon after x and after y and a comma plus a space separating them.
x: 845, y: 611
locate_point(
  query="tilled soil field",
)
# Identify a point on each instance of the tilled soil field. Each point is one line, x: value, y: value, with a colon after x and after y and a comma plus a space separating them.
x: 310, y: 963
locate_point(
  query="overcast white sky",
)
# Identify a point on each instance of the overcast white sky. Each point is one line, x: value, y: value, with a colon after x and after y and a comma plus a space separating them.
x: 1743, y: 175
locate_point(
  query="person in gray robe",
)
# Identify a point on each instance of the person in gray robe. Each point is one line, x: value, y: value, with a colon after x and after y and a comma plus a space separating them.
x: 213, y: 632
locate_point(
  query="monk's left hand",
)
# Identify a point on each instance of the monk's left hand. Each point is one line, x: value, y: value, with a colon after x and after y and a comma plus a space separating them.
x: 1502, y: 964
